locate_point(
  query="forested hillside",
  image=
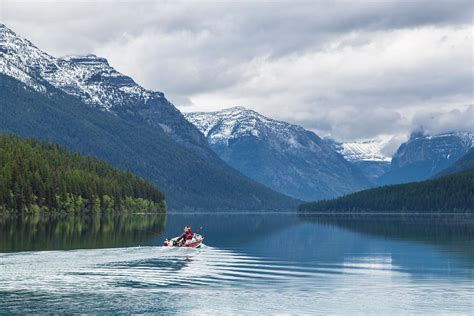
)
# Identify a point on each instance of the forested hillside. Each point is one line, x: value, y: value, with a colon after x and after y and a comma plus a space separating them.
x: 187, y: 179
x: 453, y: 193
x: 36, y: 176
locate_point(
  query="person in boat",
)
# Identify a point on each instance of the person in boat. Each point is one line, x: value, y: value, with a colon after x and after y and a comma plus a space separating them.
x: 186, y: 235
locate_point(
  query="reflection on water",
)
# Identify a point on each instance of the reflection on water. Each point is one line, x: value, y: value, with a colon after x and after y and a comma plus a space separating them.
x: 253, y: 264
x: 455, y: 233
x: 69, y: 231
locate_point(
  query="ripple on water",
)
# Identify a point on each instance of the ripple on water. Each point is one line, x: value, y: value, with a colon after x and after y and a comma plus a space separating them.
x: 156, y: 279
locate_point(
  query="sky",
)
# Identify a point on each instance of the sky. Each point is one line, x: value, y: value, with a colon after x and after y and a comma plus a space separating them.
x: 351, y: 70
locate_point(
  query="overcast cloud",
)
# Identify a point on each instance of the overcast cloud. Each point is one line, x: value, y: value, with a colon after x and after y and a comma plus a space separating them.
x: 350, y: 69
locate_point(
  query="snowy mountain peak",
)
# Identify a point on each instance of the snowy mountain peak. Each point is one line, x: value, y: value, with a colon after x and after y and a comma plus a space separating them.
x: 20, y: 59
x: 85, y: 59
x: 232, y: 123
x: 238, y: 109
x: 4, y: 29
x: 238, y: 112
x: 369, y: 150
x: 88, y: 77
x: 93, y: 80
x: 283, y: 156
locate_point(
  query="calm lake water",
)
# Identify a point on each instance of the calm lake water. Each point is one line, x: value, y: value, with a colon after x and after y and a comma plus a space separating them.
x: 272, y: 264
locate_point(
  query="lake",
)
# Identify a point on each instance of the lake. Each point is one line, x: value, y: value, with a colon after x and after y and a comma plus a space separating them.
x: 251, y: 263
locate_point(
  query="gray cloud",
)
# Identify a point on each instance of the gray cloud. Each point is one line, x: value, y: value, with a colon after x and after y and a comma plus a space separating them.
x: 445, y: 121
x: 351, y: 69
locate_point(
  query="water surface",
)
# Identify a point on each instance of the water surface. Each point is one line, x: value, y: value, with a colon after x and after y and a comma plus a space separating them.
x: 251, y: 263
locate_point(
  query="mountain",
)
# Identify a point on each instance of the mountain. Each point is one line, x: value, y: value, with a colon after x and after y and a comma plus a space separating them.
x: 464, y: 163
x: 284, y: 157
x: 423, y: 156
x: 450, y: 194
x: 96, y: 83
x: 365, y: 155
x: 85, y: 105
x: 36, y: 176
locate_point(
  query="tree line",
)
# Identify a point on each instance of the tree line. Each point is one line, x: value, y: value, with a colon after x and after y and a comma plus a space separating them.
x: 453, y: 193
x: 37, y: 176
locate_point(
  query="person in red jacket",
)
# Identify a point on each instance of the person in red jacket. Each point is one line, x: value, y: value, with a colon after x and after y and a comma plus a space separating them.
x: 187, y: 235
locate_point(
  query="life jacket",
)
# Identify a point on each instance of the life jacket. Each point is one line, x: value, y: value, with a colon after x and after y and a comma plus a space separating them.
x: 189, y: 235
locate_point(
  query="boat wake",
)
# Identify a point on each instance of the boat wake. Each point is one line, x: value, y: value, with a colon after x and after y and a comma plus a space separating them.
x: 172, y: 279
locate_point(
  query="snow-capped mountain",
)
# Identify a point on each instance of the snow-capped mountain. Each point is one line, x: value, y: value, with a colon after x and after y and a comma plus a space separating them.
x: 365, y: 155
x: 89, y: 77
x: 423, y: 156
x: 224, y: 126
x: 84, y: 104
x: 96, y: 83
x: 283, y: 156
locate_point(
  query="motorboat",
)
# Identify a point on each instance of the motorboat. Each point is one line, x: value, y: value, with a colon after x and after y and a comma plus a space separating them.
x: 195, y: 242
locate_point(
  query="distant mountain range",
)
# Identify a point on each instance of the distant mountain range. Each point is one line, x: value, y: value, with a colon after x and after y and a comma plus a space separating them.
x: 283, y: 156
x: 451, y: 191
x: 424, y: 156
x: 83, y: 103
x: 295, y: 161
x: 419, y: 158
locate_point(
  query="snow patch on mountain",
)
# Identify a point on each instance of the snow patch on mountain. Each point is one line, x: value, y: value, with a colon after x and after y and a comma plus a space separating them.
x: 369, y: 150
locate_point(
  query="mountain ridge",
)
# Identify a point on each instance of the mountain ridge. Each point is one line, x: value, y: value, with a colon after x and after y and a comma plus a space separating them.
x: 283, y: 156
x: 423, y: 156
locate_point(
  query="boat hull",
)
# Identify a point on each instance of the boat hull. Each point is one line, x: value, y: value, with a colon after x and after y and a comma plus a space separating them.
x: 196, y: 242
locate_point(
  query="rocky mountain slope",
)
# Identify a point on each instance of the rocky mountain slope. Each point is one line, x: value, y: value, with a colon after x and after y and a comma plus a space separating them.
x: 365, y: 155
x: 285, y: 157
x: 465, y: 163
x: 423, y: 156
x: 84, y: 104
x: 96, y: 83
